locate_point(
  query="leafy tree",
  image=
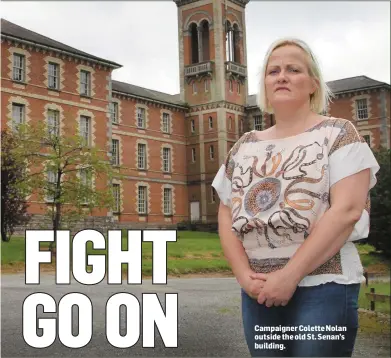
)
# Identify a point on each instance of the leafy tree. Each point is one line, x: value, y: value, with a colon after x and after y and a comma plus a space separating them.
x: 380, y: 230
x: 14, y: 188
x: 66, y: 174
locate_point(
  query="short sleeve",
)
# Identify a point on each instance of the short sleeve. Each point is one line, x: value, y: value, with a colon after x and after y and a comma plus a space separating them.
x: 223, y: 180
x: 350, y: 154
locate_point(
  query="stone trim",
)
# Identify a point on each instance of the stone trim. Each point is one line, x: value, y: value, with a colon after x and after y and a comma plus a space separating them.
x: 139, y: 105
x: 143, y: 183
x: 92, y: 83
x: 157, y: 139
x: 27, y: 69
x: 166, y: 145
x: 168, y: 186
x: 207, y: 17
x: 51, y: 99
x: 235, y: 21
x: 142, y: 141
x: 170, y: 118
x: 60, y: 63
x: 18, y: 100
x: 354, y: 110
x: 84, y: 112
x: 55, y: 107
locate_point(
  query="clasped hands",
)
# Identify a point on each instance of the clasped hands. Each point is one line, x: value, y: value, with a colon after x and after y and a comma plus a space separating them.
x: 272, y: 289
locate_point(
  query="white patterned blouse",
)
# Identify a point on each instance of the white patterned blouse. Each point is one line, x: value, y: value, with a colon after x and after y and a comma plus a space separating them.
x: 278, y: 189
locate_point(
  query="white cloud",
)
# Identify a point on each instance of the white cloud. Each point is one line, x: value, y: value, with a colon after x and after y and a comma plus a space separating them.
x: 349, y: 38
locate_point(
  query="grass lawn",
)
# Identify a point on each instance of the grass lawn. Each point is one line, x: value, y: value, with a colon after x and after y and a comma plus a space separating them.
x: 200, y: 252
x: 381, y: 288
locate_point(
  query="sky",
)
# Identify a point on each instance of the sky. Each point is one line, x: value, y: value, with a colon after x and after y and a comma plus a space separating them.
x: 348, y: 38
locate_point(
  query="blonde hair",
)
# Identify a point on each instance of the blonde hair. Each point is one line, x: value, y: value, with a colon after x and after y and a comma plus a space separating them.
x: 319, y: 100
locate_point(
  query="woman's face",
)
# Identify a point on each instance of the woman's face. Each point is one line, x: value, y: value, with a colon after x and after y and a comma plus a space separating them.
x: 287, y: 79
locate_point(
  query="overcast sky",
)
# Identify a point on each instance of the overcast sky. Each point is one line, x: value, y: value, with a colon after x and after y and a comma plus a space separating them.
x: 349, y: 38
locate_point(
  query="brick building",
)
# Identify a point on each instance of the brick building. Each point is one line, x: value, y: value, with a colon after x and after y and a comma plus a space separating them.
x: 167, y: 148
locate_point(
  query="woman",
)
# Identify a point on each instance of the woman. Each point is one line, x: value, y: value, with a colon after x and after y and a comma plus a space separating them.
x: 292, y: 199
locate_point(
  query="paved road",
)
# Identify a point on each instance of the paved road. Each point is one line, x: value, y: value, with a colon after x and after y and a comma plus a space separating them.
x: 209, y: 320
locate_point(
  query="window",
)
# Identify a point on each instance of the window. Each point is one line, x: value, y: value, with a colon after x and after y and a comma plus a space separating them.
x: 142, y: 199
x: 114, y: 112
x: 194, y: 87
x: 85, y: 129
x: 238, y: 88
x: 167, y: 201
x: 86, y: 182
x: 140, y: 117
x: 166, y: 159
x: 166, y: 123
x: 19, y: 67
x: 241, y: 126
x: 231, y: 86
x: 51, y: 185
x: 362, y: 108
x: 211, y: 152
x: 53, y: 123
x: 115, y: 151
x: 85, y: 83
x: 213, y: 194
x: 367, y: 139
x: 206, y: 84
x: 193, y: 155
x: 230, y: 123
x: 141, y: 153
x: 17, y: 115
x: 210, y: 122
x: 192, y: 125
x: 53, y: 75
x: 257, y: 123
x: 116, y: 195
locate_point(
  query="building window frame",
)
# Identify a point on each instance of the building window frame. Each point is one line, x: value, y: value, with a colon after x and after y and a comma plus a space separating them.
x: 141, y: 156
x: 362, y: 109
x: 19, y: 67
x: 167, y: 201
x: 85, y: 83
x: 142, y: 196
x: 53, y: 76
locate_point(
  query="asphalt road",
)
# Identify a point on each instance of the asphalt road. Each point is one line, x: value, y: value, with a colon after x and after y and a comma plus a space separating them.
x: 209, y: 320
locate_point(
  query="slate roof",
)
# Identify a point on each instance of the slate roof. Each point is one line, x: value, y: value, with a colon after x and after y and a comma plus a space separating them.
x: 146, y: 93
x: 11, y: 29
x: 339, y: 86
x: 354, y: 83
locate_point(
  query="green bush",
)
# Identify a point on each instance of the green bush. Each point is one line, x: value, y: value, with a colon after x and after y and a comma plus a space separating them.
x: 380, y: 229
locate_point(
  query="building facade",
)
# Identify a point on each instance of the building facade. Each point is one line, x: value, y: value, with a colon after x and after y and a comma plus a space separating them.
x: 166, y: 148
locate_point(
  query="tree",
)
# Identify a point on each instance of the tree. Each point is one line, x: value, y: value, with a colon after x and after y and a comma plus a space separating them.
x: 66, y: 175
x: 14, y: 188
x: 380, y: 230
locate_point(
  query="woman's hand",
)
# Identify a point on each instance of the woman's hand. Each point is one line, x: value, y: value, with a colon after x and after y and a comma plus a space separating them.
x: 252, y: 286
x: 277, y: 287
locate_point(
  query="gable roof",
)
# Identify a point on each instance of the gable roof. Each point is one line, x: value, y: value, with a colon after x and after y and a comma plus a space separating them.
x: 18, y: 32
x: 146, y: 93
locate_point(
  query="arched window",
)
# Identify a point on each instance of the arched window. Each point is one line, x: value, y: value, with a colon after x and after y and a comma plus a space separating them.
x: 205, y: 41
x: 236, y: 44
x: 194, y: 43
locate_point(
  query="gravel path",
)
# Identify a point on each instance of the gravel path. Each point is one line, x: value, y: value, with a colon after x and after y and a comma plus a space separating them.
x: 209, y: 320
